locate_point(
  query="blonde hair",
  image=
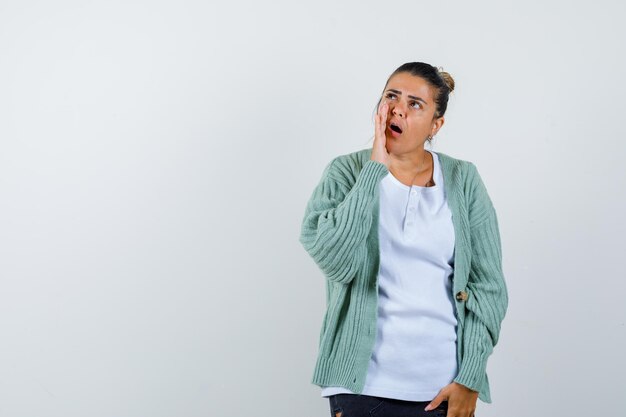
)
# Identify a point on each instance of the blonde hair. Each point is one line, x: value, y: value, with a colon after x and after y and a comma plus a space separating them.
x: 447, y: 78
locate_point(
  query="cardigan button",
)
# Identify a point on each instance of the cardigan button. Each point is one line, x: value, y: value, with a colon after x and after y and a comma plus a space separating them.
x: 461, y: 296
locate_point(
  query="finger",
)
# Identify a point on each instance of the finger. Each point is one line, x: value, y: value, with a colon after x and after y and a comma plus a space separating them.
x: 383, y: 122
x: 377, y: 127
x: 384, y: 114
x: 433, y: 404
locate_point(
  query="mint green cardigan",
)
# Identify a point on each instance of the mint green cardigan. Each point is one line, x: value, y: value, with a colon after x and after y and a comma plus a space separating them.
x: 340, y: 232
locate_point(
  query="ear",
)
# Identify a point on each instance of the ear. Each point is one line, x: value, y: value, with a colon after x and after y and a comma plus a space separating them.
x: 438, y: 122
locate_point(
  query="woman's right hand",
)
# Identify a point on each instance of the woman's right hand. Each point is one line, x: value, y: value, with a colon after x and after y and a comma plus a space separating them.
x: 379, y: 149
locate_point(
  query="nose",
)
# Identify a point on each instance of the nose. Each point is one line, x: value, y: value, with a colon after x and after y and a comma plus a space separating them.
x: 397, y: 110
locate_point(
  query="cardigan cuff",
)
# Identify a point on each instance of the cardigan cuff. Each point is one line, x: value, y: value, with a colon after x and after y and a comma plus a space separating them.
x: 477, y: 348
x: 370, y: 175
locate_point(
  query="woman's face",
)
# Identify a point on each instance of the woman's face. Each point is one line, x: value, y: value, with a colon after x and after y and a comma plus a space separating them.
x: 411, y: 102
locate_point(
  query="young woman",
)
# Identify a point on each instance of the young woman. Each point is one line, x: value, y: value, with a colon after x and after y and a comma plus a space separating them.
x: 408, y: 241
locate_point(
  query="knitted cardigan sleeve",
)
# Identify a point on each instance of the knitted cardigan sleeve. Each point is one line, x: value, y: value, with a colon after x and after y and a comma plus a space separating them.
x: 338, y: 218
x: 487, y: 300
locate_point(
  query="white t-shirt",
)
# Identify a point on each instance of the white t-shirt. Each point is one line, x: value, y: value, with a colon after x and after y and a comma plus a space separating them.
x: 415, y: 350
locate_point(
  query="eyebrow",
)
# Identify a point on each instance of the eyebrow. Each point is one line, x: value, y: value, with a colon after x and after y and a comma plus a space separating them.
x: 413, y: 97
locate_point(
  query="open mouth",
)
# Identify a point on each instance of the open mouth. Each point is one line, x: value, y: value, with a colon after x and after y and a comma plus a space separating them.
x: 395, y: 128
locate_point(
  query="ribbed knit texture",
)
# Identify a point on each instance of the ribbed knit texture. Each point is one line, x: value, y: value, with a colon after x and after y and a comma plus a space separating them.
x: 340, y: 232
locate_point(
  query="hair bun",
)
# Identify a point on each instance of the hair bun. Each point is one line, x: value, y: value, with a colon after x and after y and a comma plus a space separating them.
x: 447, y: 78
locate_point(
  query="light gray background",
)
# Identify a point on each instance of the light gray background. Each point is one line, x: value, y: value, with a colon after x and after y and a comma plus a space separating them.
x: 156, y: 159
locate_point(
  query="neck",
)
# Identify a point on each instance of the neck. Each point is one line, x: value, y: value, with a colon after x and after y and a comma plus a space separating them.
x: 411, y: 163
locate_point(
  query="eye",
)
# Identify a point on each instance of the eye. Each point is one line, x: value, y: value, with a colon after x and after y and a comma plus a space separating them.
x: 419, y: 105
x: 390, y: 94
